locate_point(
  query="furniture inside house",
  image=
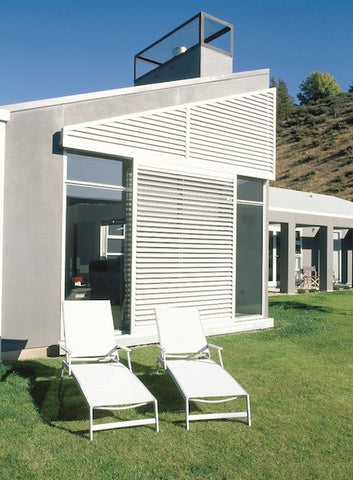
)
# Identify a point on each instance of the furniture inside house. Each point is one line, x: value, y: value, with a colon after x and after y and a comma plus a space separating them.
x: 92, y: 359
x: 106, y: 280
x: 310, y: 278
x: 185, y: 355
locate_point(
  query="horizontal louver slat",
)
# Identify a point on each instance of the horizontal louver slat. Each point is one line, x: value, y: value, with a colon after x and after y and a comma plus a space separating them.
x: 163, y: 132
x: 236, y: 131
x: 184, y: 244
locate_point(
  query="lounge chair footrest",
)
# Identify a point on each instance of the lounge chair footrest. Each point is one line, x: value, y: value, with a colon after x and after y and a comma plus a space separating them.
x: 124, y: 424
x: 215, y: 416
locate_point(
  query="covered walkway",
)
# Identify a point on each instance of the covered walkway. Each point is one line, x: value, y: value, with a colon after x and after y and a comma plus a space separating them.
x: 311, y: 230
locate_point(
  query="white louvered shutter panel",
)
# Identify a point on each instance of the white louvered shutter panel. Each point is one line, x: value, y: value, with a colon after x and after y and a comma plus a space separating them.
x: 184, y: 244
x: 162, y: 132
x: 237, y: 131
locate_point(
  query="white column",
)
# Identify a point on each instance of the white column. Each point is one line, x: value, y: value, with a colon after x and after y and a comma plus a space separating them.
x: 4, y: 118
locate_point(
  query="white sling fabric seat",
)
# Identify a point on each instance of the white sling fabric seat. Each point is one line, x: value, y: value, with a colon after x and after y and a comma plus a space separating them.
x: 185, y: 355
x: 92, y: 359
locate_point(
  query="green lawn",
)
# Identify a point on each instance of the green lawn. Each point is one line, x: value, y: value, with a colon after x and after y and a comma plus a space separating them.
x: 300, y: 379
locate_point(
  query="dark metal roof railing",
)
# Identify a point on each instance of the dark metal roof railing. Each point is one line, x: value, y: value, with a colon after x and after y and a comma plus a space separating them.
x: 202, y: 29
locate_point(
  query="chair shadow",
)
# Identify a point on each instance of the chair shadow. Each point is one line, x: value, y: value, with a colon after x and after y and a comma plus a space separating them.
x: 59, y: 401
x: 56, y: 399
x: 45, y: 387
x: 165, y: 391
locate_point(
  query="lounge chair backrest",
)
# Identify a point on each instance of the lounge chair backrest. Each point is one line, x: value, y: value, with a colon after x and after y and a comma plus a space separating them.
x: 180, y: 330
x: 88, y: 327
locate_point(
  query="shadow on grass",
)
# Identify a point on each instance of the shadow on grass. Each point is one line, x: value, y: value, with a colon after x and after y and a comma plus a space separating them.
x: 300, y: 318
x: 5, y: 371
x: 289, y: 305
x: 45, y: 386
x: 166, y: 392
x: 59, y: 401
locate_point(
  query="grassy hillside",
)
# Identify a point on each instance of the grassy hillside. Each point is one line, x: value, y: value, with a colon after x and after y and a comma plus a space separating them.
x: 315, y: 148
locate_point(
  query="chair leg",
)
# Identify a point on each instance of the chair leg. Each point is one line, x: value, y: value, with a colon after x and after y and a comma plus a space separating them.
x: 187, y: 413
x: 248, y: 409
x: 156, y: 414
x: 90, y: 423
x: 62, y: 369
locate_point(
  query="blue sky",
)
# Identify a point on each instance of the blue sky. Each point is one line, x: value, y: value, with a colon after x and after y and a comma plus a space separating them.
x: 52, y: 48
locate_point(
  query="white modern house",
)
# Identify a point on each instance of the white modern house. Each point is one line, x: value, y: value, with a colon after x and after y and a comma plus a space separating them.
x: 309, y: 232
x: 151, y: 195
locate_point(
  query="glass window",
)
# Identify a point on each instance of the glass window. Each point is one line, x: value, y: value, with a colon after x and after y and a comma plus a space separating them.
x: 96, y: 221
x: 94, y: 193
x: 298, y: 242
x: 249, y: 189
x: 116, y: 229
x: 115, y: 247
x: 278, y: 243
x: 85, y: 168
x: 271, y: 255
x: 337, y: 247
x: 249, y: 260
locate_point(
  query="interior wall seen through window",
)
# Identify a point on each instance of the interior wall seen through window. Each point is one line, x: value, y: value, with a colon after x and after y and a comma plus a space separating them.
x: 96, y: 225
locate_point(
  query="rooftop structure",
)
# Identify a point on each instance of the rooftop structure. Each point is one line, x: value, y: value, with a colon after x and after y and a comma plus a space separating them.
x: 202, y: 46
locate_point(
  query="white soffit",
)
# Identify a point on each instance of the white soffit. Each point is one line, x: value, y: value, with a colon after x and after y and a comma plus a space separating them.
x: 308, y: 203
x: 238, y: 131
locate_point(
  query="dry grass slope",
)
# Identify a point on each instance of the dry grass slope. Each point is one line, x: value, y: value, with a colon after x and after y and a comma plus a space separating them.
x: 315, y: 148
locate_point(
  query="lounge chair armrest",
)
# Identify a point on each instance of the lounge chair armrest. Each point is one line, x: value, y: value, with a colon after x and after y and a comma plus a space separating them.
x: 163, y: 351
x: 66, y: 363
x: 127, y: 350
x: 65, y: 349
x: 219, y: 351
x: 163, y: 357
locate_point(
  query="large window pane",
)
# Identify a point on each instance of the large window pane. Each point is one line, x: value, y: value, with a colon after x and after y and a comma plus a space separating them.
x: 337, y: 248
x: 249, y: 189
x: 85, y: 168
x: 271, y: 255
x: 115, y: 246
x: 249, y: 260
x: 95, y: 194
x: 91, y: 273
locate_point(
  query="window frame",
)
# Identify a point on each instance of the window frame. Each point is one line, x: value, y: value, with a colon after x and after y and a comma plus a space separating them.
x: 76, y: 183
x: 264, y: 246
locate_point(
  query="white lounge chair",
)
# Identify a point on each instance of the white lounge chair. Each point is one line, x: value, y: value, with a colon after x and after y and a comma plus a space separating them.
x: 185, y: 355
x: 92, y: 359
